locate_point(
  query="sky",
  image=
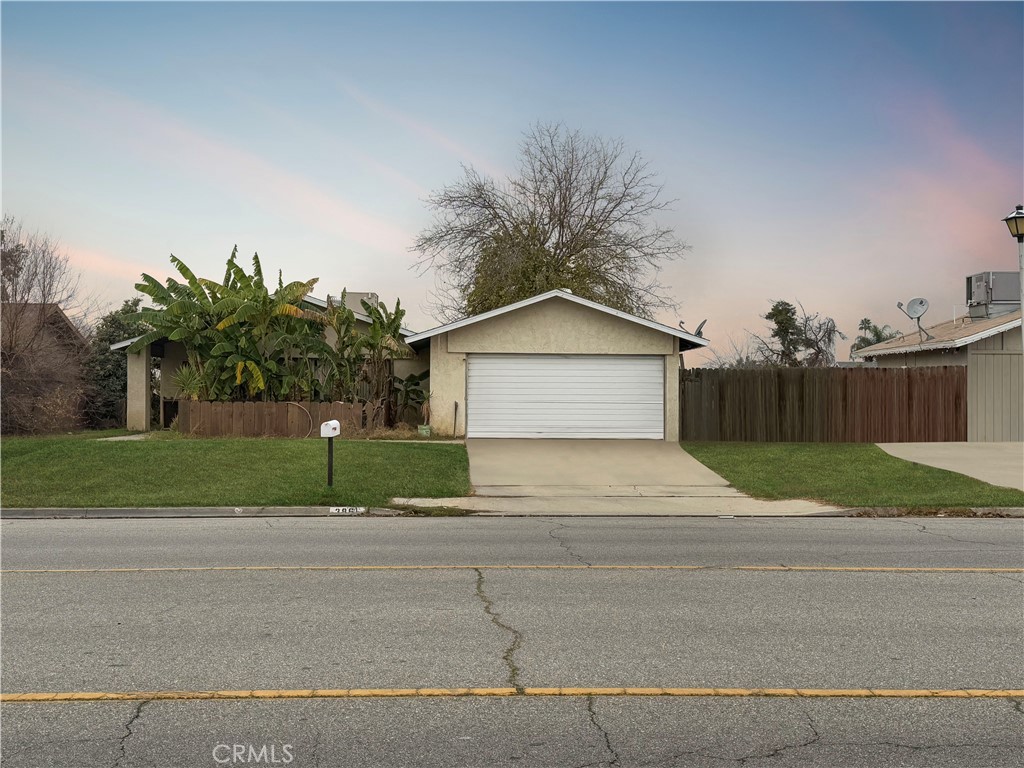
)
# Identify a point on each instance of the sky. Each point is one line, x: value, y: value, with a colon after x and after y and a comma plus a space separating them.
x: 841, y: 155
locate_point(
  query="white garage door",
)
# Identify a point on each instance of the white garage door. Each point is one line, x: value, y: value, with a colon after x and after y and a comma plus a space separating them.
x: 578, y: 396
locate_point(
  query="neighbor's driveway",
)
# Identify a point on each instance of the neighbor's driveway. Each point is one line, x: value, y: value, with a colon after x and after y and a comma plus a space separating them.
x: 585, y: 463
x: 995, y: 463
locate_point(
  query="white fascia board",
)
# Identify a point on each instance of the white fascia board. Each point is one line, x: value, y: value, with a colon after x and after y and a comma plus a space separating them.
x: 935, y: 346
x: 697, y: 341
x: 124, y: 344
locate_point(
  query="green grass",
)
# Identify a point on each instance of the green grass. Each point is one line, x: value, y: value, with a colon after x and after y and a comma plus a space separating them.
x: 845, y: 474
x: 71, y: 471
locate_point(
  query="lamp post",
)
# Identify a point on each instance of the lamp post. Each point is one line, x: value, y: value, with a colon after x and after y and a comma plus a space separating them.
x: 1015, y: 223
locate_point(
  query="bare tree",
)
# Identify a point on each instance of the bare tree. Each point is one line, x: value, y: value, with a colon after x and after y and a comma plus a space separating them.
x: 578, y: 215
x: 745, y: 355
x: 798, y: 339
x: 41, y: 339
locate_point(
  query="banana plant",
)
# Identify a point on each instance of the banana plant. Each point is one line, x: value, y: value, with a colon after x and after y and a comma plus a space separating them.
x: 377, y: 350
x: 239, y: 337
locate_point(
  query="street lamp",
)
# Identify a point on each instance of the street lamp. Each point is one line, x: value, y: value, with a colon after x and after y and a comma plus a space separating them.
x: 1015, y: 223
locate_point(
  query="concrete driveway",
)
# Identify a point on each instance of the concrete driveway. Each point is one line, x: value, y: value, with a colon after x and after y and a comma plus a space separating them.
x: 995, y: 463
x: 601, y: 477
x: 603, y: 463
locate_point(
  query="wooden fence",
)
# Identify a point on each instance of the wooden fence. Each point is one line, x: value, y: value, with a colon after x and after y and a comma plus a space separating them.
x: 825, y: 405
x: 269, y: 419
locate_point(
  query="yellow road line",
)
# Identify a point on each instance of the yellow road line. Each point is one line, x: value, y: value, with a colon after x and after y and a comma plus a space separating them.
x: 380, y: 693
x: 793, y: 568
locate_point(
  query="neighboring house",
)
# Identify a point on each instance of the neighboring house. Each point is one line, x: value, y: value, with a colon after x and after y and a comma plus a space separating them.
x: 172, y: 357
x: 988, y: 342
x: 42, y: 354
x: 555, y: 366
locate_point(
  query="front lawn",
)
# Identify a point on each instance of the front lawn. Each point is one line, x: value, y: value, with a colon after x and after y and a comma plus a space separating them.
x: 845, y: 474
x: 70, y: 471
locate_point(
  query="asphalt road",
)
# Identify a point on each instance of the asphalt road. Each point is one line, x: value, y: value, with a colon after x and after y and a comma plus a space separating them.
x: 197, y: 609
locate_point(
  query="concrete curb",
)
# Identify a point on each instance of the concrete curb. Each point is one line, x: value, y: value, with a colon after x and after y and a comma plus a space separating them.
x: 975, y: 512
x: 100, y: 513
x: 115, y: 513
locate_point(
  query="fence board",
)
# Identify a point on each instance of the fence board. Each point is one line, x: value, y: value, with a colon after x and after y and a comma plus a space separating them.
x: 866, y: 405
x: 258, y: 419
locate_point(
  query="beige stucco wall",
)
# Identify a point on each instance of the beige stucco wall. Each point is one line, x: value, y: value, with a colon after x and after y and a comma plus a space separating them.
x: 923, y: 359
x: 995, y: 388
x: 672, y: 364
x: 559, y: 327
x: 555, y: 326
x: 139, y: 408
x: 447, y: 388
x: 416, y: 364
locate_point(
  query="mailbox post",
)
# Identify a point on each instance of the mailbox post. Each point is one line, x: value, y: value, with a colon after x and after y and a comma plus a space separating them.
x: 330, y: 429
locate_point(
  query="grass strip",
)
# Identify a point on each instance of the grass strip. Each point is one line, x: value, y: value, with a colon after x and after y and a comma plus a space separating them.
x: 69, y: 471
x: 845, y: 474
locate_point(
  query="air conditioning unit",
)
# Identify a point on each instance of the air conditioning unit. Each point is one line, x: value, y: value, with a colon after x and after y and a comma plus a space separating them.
x: 990, y: 294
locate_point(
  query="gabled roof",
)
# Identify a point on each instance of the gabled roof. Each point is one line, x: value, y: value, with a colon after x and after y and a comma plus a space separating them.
x: 30, y: 314
x: 949, y: 335
x: 693, y: 341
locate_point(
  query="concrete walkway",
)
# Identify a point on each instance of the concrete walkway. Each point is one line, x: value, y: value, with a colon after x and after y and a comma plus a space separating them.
x: 601, y: 477
x: 995, y: 463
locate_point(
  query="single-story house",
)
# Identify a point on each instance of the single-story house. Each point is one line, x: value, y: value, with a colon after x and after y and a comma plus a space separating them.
x: 551, y: 366
x: 554, y: 366
x: 991, y: 349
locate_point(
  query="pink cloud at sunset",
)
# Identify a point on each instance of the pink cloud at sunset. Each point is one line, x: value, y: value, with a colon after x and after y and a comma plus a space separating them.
x: 161, y: 139
x: 421, y: 129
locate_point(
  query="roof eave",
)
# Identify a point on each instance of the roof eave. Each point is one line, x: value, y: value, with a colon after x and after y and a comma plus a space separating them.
x: 694, y: 342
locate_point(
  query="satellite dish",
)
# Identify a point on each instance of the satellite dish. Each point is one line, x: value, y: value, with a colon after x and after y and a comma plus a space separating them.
x: 917, y: 307
x: 700, y: 328
x: 914, y: 310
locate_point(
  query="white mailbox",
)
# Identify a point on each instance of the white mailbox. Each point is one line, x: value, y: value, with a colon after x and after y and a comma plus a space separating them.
x: 330, y: 428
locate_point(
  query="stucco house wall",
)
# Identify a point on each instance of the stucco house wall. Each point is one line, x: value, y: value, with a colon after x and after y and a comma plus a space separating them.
x: 550, y: 327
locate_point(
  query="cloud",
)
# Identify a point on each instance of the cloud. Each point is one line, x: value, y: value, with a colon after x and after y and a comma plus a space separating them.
x: 163, y: 140
x: 421, y: 129
x: 98, y: 263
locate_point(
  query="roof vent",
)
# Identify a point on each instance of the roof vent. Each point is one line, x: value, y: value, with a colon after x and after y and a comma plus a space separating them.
x: 567, y: 290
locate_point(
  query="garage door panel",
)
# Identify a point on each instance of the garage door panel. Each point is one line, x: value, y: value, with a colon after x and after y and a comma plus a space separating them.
x: 565, y: 396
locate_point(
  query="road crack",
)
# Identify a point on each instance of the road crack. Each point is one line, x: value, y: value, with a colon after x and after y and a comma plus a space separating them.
x: 1008, y: 577
x: 128, y: 732
x: 604, y: 736
x: 922, y: 528
x: 785, y: 747
x: 517, y: 638
x: 915, y: 747
x: 565, y: 546
x: 315, y: 751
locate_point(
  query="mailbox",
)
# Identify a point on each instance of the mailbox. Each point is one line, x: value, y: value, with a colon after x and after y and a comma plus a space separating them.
x: 330, y: 428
